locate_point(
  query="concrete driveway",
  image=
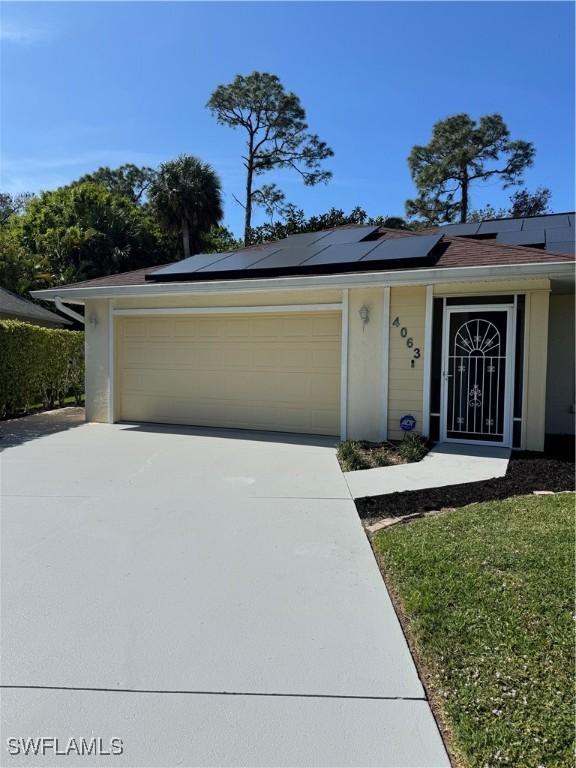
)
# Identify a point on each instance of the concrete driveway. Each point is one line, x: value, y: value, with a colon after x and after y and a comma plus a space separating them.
x: 208, y: 598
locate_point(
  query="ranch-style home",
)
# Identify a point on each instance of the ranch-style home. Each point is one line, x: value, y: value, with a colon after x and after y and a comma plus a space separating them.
x: 464, y: 333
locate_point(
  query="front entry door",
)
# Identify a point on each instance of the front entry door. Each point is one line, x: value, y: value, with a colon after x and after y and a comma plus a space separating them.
x: 477, y: 375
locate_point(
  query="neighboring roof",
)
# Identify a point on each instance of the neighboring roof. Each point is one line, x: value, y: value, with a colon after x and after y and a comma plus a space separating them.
x: 11, y: 304
x: 552, y: 231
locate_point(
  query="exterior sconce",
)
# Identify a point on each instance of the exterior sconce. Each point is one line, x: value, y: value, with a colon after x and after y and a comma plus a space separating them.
x: 93, y: 319
x: 364, y: 313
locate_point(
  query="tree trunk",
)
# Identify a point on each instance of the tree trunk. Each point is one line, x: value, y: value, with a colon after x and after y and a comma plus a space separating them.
x: 248, y: 209
x: 249, y: 174
x: 464, y: 203
x: 186, y: 238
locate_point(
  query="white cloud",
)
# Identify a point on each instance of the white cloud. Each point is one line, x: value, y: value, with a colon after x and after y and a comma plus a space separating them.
x: 21, y: 33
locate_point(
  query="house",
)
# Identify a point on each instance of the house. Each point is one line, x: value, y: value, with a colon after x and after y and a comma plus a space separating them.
x: 358, y: 332
x: 13, y: 307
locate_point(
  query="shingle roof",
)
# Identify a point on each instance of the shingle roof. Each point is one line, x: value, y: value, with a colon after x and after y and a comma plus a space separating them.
x: 451, y: 251
x: 11, y: 304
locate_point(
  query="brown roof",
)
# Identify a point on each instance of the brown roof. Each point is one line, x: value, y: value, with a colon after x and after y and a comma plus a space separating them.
x: 457, y: 252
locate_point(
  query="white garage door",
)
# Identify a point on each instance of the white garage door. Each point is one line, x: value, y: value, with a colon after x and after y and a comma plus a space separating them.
x: 263, y: 371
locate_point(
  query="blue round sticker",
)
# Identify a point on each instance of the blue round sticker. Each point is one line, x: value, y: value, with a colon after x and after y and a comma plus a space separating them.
x: 407, y: 423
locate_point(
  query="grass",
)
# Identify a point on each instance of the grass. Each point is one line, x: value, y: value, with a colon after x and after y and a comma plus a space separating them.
x: 487, y: 598
x: 359, y: 454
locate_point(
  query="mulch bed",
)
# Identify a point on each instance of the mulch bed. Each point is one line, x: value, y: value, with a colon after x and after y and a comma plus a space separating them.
x: 527, y: 472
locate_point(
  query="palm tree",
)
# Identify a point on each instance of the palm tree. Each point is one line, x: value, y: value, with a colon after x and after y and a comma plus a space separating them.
x: 186, y: 196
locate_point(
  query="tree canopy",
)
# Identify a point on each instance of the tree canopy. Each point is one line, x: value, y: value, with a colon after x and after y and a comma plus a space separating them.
x: 294, y: 221
x: 522, y: 203
x: 84, y: 231
x: 277, y: 136
x: 461, y: 152
x: 130, y: 180
x: 186, y: 197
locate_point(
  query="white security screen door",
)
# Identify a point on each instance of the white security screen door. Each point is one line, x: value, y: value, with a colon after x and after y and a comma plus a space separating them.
x: 477, y: 375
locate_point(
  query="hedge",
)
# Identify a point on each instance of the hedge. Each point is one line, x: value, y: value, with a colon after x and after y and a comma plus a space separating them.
x: 38, y: 367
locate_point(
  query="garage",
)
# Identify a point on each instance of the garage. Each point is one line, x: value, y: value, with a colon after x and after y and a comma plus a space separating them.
x: 269, y: 371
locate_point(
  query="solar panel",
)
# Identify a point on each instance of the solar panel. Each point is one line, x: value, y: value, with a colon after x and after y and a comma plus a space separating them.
x: 347, y: 253
x: 528, y: 237
x: 241, y: 259
x: 416, y: 247
x: 559, y: 234
x: 349, y: 235
x: 191, y: 264
x: 567, y: 246
x: 287, y: 258
x: 548, y: 222
x: 461, y: 230
x: 304, y: 238
x: 499, y: 225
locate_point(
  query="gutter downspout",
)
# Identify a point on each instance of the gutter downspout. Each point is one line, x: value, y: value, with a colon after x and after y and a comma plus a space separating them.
x: 67, y: 311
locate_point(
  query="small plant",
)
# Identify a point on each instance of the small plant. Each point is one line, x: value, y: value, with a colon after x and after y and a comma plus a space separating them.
x: 349, y: 454
x: 385, y: 456
x: 413, y: 447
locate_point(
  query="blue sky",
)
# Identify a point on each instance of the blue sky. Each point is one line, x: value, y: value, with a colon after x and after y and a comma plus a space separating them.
x: 89, y: 84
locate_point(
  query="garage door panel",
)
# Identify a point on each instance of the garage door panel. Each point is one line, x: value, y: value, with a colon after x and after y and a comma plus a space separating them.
x: 276, y: 372
x: 285, y: 417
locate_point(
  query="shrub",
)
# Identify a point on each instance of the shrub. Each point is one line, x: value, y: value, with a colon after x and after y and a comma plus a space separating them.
x: 413, y: 447
x: 38, y: 366
x: 350, y: 456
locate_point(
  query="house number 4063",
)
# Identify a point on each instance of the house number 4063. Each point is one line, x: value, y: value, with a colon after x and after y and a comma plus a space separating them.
x: 409, y: 340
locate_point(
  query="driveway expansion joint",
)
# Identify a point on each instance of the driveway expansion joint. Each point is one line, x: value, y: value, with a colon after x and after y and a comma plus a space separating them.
x: 211, y: 693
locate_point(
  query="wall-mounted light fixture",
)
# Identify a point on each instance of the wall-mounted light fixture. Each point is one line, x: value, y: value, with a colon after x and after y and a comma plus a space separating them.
x: 93, y: 319
x: 364, y: 313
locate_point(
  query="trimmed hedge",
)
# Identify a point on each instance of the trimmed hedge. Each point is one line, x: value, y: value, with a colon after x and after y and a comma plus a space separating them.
x: 38, y: 366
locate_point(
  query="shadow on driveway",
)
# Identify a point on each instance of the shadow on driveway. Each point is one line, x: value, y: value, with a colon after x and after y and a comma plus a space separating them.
x: 15, y: 432
x: 322, y: 441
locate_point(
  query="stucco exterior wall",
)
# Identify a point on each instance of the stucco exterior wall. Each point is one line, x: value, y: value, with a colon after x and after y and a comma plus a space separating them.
x: 365, y: 365
x: 536, y: 353
x: 233, y: 299
x: 561, y: 370
x: 406, y: 383
x: 369, y: 410
x: 487, y: 287
x: 97, y: 360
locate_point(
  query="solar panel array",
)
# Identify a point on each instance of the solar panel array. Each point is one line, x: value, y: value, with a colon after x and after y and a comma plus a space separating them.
x: 344, y: 248
x: 553, y: 232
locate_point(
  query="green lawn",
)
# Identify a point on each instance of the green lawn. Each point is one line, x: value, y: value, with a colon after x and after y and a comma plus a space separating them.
x: 487, y: 594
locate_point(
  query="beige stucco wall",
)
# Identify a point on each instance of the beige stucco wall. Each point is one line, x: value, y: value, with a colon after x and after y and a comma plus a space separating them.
x: 486, y: 287
x: 365, y: 365
x: 560, y: 373
x: 233, y: 299
x: 405, y: 383
x: 366, y: 407
x: 97, y: 360
x: 536, y: 353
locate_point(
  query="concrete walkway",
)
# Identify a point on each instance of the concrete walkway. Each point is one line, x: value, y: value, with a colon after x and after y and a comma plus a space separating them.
x: 447, y: 464
x: 207, y: 597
